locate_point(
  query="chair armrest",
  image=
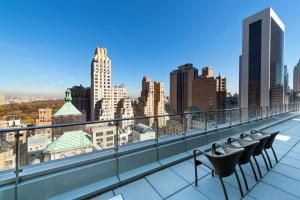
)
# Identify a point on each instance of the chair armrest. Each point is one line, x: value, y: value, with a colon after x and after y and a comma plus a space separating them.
x: 243, y: 135
x: 255, y: 131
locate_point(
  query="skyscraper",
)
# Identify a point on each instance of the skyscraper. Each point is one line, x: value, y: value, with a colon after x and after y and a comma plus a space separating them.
x: 151, y: 101
x: 105, y: 99
x: 181, y: 87
x: 101, y: 98
x: 296, y: 78
x: 286, y: 84
x: 261, y: 75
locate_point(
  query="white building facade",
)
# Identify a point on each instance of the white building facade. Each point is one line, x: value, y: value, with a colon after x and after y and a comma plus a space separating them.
x: 101, y: 105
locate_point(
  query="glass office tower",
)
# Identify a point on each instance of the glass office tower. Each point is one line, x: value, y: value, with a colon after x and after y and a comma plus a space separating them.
x: 261, y: 70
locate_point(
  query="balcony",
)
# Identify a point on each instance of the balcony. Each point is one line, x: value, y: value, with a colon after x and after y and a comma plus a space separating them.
x: 146, y: 167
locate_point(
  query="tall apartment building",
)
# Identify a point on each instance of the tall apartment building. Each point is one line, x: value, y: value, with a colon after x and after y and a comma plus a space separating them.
x: 125, y: 110
x: 261, y: 74
x: 208, y: 92
x: 181, y: 87
x: 118, y: 93
x: 81, y: 100
x: 296, y: 78
x: 104, y: 97
x: 151, y: 101
x: 101, y: 90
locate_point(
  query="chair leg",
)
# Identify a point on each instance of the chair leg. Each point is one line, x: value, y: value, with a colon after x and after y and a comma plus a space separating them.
x: 268, y: 158
x: 239, y: 183
x: 196, y: 175
x: 223, y: 187
x: 253, y: 170
x: 262, y: 154
x: 274, y: 154
x: 244, y: 177
x: 258, y: 168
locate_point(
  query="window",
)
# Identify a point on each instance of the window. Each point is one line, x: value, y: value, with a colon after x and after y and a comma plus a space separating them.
x: 108, y: 139
x: 98, y: 134
x: 109, y: 132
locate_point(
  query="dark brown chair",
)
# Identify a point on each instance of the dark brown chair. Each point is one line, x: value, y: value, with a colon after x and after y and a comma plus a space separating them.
x: 221, y: 163
x: 245, y: 158
x: 259, y: 148
x: 269, y: 143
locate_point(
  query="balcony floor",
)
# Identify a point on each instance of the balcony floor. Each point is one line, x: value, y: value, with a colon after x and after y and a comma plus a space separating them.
x: 177, y: 182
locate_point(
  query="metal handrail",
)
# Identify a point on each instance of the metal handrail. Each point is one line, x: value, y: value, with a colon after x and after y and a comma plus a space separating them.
x: 5, y: 130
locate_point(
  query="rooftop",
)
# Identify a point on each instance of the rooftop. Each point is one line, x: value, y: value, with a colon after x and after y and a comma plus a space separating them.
x: 69, y: 140
x: 177, y: 182
x: 68, y: 109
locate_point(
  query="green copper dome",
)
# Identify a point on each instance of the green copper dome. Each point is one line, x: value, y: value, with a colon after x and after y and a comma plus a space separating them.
x: 69, y: 140
x: 68, y: 109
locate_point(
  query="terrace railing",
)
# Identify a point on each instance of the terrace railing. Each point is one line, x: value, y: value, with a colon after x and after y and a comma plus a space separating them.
x: 23, y: 147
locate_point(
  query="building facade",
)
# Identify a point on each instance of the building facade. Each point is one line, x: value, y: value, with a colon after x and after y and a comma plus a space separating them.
x: 296, y: 78
x: 81, y: 100
x: 45, y: 117
x: 105, y: 99
x: 125, y: 110
x: 208, y: 92
x: 101, y: 90
x: 103, y: 136
x: 261, y: 71
x: 181, y: 87
x: 151, y: 101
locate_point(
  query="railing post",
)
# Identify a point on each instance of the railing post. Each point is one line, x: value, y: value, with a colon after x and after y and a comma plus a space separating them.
x: 156, y: 139
x: 117, y: 147
x: 240, y: 110
x: 17, y: 161
x: 230, y: 118
x: 216, y: 119
x: 205, y: 121
x: 156, y: 133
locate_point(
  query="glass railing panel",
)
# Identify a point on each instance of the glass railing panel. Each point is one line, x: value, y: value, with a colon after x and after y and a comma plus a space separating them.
x: 258, y: 113
x: 175, y: 125
x: 211, y: 120
x: 8, y: 150
x: 58, y: 143
x: 235, y: 117
x: 161, y: 126
x: 252, y: 114
x: 264, y: 112
x: 144, y: 129
x: 195, y: 122
x: 224, y: 118
x: 244, y: 115
x: 125, y: 130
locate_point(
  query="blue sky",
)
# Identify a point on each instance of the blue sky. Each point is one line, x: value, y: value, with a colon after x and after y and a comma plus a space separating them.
x: 47, y: 46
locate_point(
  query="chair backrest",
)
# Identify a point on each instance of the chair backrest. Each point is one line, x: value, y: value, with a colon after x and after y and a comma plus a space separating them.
x: 269, y: 143
x: 262, y: 141
x: 225, y: 164
x: 249, y: 147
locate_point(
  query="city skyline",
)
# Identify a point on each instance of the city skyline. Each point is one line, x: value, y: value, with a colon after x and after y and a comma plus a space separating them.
x: 144, y: 51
